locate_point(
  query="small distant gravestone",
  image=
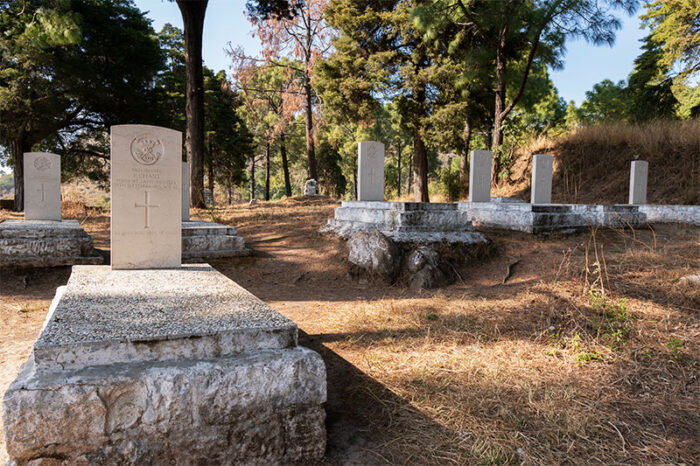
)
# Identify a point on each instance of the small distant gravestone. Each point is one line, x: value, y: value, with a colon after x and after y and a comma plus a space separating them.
x: 146, y: 197
x: 185, y: 191
x: 208, y: 197
x: 541, y: 189
x: 480, y: 176
x: 638, y: 182
x: 42, y: 186
x: 370, y: 177
x: 310, y: 188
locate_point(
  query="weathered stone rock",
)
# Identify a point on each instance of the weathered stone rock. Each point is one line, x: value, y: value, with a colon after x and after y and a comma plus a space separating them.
x: 426, y: 269
x: 375, y: 254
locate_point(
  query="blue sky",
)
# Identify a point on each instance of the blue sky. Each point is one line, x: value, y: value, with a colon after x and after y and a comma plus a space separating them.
x: 584, y: 66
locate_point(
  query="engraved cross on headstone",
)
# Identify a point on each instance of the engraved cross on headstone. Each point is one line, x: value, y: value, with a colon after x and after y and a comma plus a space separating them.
x: 373, y: 176
x: 42, y: 192
x: 146, y: 205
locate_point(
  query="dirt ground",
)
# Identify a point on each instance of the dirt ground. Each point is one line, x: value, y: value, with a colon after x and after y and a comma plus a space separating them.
x: 539, y: 370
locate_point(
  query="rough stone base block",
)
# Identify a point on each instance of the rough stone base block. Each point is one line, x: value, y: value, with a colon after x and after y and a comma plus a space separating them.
x: 549, y: 218
x: 206, y: 240
x: 405, y: 222
x: 165, y: 367
x: 45, y: 243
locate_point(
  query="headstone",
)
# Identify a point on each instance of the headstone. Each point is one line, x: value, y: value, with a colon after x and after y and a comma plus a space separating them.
x: 480, y: 176
x: 208, y: 197
x: 42, y: 186
x: 310, y: 188
x: 185, y: 191
x: 370, y: 179
x: 541, y: 189
x: 638, y: 182
x: 146, y: 180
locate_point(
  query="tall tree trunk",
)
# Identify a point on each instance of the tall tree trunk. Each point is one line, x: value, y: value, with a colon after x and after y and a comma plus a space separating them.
x: 17, y: 149
x: 410, y: 173
x: 398, y: 155
x: 420, y: 167
x: 285, y: 166
x: 354, y: 181
x: 252, y: 178
x: 500, y: 105
x: 193, y: 19
x: 464, y: 158
x: 267, y: 171
x: 310, y: 149
x: 228, y: 192
x: 308, y: 91
x: 210, y: 173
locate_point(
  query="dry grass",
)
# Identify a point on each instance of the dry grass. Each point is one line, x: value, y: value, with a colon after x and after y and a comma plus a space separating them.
x: 592, y: 164
x: 535, y: 372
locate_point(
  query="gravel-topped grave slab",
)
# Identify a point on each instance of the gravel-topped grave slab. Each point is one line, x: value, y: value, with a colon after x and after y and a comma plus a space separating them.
x: 107, y: 316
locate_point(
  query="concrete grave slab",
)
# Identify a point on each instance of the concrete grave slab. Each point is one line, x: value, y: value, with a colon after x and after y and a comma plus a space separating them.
x: 207, y: 240
x: 404, y: 222
x: 45, y: 243
x: 42, y: 186
x: 549, y: 218
x: 146, y: 197
x: 165, y: 366
x: 370, y: 171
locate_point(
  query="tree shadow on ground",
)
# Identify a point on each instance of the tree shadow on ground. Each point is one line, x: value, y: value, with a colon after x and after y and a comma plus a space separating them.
x: 363, y: 417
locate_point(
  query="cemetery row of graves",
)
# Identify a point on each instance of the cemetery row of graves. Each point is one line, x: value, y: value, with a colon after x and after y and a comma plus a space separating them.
x: 159, y: 349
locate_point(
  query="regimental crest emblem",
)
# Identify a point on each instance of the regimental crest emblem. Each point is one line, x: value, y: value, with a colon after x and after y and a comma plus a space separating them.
x: 146, y: 149
x: 42, y: 163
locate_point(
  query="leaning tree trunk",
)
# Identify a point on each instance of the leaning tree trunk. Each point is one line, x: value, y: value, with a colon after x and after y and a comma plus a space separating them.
x: 193, y: 20
x: 285, y: 166
x: 17, y: 149
x: 499, y: 113
x: 267, y: 171
x: 464, y: 158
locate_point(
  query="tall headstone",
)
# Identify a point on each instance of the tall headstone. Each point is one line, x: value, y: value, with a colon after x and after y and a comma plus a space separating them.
x: 480, y: 176
x: 370, y: 179
x: 541, y: 189
x: 185, y: 191
x: 42, y: 186
x: 638, y: 182
x: 146, y: 185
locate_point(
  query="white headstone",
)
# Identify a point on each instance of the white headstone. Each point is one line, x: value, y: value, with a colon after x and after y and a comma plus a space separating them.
x: 146, y: 197
x: 638, y: 182
x: 370, y: 179
x: 185, y: 191
x: 480, y: 176
x: 310, y: 188
x: 541, y: 189
x: 42, y: 186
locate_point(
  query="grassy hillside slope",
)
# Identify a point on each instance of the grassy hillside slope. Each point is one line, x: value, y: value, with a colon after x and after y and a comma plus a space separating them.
x: 592, y: 165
